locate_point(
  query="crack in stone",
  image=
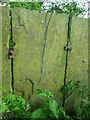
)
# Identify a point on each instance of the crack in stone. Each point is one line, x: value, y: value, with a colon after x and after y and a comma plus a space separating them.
x: 30, y: 82
x: 44, y: 43
x: 12, y: 81
x: 20, y: 91
x: 19, y: 22
x: 68, y: 42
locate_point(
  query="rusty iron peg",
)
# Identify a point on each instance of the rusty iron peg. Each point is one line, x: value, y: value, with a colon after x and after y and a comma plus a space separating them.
x: 11, y: 52
x: 67, y: 48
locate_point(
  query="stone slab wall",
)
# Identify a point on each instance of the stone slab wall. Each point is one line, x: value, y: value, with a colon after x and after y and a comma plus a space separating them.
x: 39, y: 58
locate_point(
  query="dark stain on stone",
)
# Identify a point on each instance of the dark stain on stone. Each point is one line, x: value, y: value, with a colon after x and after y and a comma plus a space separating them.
x: 19, y: 21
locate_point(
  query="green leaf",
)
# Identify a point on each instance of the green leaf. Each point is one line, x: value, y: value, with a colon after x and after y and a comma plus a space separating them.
x: 27, y: 107
x: 61, y: 112
x: 3, y: 108
x: 43, y: 115
x: 37, y: 113
x: 10, y: 96
x: 8, y: 110
x: 3, y: 89
x: 79, y: 111
x: 53, y: 107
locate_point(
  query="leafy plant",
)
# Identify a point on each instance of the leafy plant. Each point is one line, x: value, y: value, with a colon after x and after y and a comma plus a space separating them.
x: 26, y: 5
x: 79, y: 86
x: 71, y: 8
x: 14, y: 107
x: 83, y: 112
x: 81, y: 89
x: 51, y: 109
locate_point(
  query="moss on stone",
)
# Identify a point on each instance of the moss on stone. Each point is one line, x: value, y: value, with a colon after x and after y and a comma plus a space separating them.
x: 54, y: 58
x: 28, y: 35
x: 6, y: 62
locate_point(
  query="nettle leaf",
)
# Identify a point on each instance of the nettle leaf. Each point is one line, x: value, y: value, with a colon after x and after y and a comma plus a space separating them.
x: 10, y: 96
x: 37, y: 113
x: 53, y: 107
x: 27, y: 107
x: 21, y: 100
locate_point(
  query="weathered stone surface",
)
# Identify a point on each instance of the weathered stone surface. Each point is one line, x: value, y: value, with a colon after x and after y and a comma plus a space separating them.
x: 40, y: 56
x: 78, y: 58
x: 28, y: 31
x: 54, y: 59
x: 6, y: 72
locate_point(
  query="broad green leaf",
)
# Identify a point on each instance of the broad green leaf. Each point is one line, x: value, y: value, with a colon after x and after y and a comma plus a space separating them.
x: 37, y: 113
x: 53, y: 107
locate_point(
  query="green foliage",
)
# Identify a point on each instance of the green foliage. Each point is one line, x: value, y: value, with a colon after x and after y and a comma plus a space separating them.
x: 2, y: 89
x: 83, y: 112
x: 37, y: 113
x: 16, y: 107
x: 72, y: 8
x: 13, y: 106
x: 51, y: 108
x: 11, y: 43
x: 79, y: 86
x: 26, y: 5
